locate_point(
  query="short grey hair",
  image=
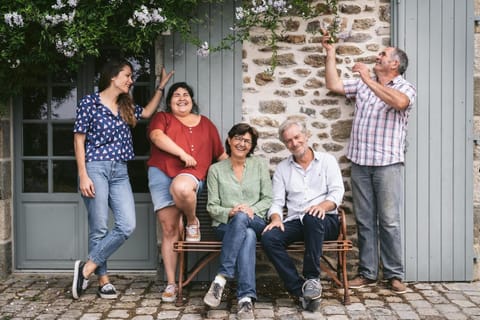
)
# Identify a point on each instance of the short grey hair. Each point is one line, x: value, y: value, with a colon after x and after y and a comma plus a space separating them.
x: 402, y: 58
x: 288, y: 123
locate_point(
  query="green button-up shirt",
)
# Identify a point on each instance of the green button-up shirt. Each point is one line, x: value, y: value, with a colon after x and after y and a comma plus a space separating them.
x: 225, y: 191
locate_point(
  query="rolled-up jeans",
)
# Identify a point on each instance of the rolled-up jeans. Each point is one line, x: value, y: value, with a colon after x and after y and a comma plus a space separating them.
x: 112, y: 190
x: 239, y: 239
x: 378, y: 203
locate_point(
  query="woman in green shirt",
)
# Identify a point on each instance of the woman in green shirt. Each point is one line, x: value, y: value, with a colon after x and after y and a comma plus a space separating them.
x: 239, y: 195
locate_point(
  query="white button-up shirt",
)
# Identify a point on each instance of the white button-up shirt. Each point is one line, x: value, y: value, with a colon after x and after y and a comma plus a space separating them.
x: 300, y: 189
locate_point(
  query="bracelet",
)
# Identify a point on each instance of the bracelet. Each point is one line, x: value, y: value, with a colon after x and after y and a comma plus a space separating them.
x: 160, y: 89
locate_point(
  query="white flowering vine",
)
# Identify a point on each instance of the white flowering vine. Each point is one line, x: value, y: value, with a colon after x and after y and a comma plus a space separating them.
x: 204, y: 50
x: 13, y: 19
x: 144, y: 16
x: 42, y: 36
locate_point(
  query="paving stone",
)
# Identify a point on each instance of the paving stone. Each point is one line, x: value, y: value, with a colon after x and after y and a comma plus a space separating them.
x: 437, y: 300
x: 374, y: 303
x: 330, y: 310
x: 423, y: 286
x: 420, y: 304
x: 146, y: 310
x: 471, y: 311
x: 455, y: 316
x: 191, y: 317
x: 91, y: 316
x: 263, y: 312
x: 447, y: 308
x: 410, y: 315
x: 425, y: 312
x: 168, y: 315
x: 122, y: 314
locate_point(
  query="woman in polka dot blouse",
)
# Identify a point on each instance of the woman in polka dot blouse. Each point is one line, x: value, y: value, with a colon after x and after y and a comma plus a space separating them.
x: 103, y: 145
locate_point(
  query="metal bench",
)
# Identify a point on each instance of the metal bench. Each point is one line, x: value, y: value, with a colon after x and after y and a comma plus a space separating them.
x: 337, y: 271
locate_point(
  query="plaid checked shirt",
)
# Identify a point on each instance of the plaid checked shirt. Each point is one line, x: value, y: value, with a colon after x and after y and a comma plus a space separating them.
x: 378, y: 130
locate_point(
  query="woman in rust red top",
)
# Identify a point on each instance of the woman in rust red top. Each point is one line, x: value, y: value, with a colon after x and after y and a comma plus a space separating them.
x: 183, y: 146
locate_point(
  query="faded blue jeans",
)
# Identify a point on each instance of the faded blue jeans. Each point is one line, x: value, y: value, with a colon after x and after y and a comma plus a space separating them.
x: 378, y: 203
x: 239, y: 238
x: 112, y: 190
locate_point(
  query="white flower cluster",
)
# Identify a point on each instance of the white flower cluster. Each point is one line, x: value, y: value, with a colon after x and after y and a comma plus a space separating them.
x: 115, y: 2
x: 14, y: 64
x: 13, y: 19
x: 204, y: 50
x: 279, y: 6
x: 58, y: 18
x: 60, y: 5
x: 53, y: 20
x: 66, y: 47
x: 145, y: 16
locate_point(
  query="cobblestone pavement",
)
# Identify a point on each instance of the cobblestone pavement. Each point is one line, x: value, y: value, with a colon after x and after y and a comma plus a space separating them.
x: 48, y: 296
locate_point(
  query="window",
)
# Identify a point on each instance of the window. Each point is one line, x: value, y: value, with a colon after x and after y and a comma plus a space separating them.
x: 48, y: 161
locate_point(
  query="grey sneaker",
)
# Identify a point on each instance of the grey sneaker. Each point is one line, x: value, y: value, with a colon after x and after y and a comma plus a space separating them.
x: 245, y: 311
x: 312, y: 289
x: 107, y: 291
x: 214, y: 295
x: 310, y: 305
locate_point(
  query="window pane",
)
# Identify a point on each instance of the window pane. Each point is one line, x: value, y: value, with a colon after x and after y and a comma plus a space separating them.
x: 137, y: 170
x: 35, y: 103
x: 64, y: 176
x: 64, y: 102
x: 141, y: 95
x: 35, y: 139
x: 35, y: 176
x: 141, y: 143
x: 62, y: 139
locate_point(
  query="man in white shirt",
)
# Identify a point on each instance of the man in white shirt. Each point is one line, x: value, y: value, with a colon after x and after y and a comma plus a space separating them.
x: 310, y: 185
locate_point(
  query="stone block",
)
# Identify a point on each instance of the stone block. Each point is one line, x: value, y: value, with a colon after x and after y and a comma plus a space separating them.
x: 5, y: 180
x: 5, y: 221
x: 476, y: 96
x: 5, y: 259
x: 4, y: 138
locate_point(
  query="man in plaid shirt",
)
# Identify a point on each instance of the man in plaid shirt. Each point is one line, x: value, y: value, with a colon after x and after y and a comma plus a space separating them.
x: 377, y: 146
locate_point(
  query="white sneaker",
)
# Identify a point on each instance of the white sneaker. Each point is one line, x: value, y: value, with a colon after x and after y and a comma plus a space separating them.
x: 170, y: 293
x: 193, y: 232
x: 214, y: 295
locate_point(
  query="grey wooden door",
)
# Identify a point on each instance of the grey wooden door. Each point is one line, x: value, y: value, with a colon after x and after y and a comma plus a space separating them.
x: 217, y: 78
x: 50, y: 219
x: 438, y: 222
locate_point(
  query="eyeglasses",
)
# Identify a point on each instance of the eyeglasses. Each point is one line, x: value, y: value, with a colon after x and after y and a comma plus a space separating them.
x: 242, y: 139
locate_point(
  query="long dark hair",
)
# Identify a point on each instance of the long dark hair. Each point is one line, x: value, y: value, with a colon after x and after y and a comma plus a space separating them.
x: 239, y: 130
x: 124, y: 100
x: 171, y: 91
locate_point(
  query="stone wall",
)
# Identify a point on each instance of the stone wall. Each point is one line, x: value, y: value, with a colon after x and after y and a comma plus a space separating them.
x: 297, y: 89
x: 476, y: 146
x: 5, y: 193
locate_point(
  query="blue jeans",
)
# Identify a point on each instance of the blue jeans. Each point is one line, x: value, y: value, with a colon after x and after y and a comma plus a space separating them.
x: 239, y: 238
x: 112, y: 189
x: 313, y: 231
x: 378, y: 203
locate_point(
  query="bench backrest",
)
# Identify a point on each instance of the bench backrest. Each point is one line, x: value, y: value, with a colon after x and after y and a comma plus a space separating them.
x: 206, y: 221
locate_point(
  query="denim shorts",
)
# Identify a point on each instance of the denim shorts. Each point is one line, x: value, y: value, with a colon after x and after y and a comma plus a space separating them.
x: 159, y: 185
